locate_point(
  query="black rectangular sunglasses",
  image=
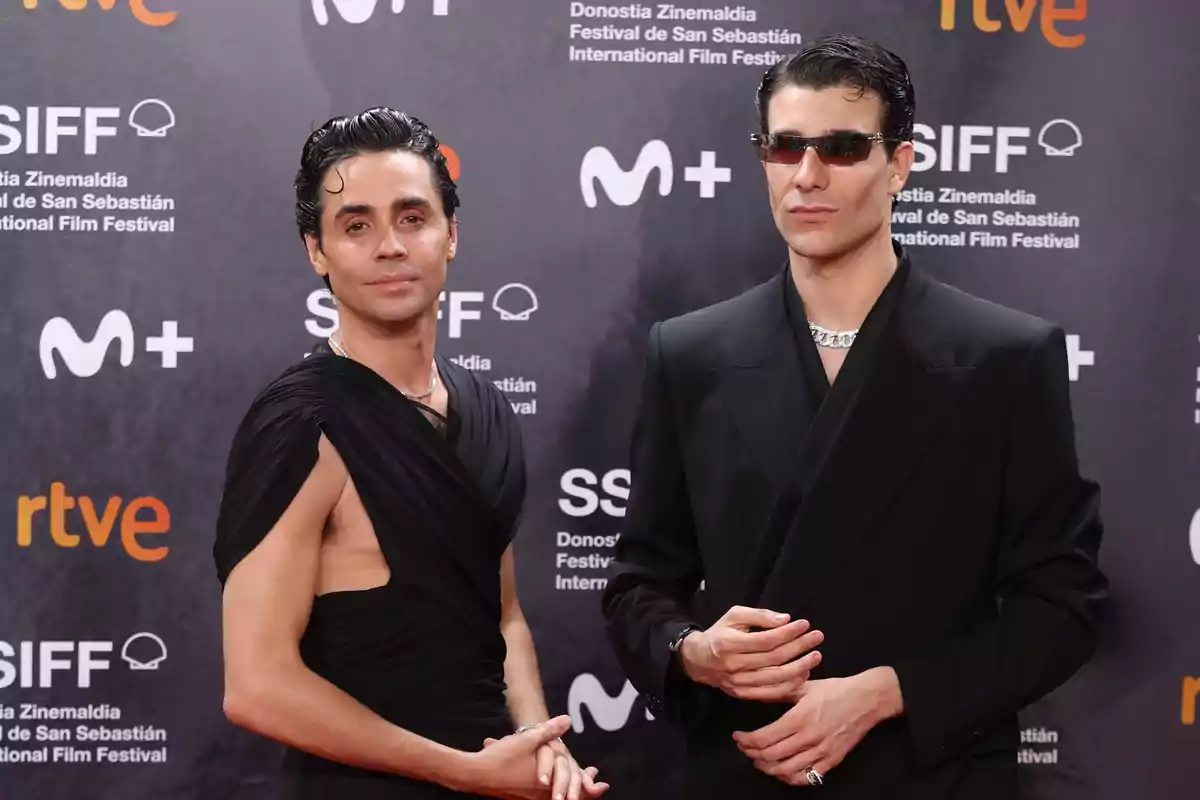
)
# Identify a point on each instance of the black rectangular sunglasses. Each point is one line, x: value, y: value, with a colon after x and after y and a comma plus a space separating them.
x: 842, y: 147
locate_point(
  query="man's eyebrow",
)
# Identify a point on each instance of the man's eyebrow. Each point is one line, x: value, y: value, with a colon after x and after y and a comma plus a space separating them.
x: 352, y: 209
x: 401, y: 204
x: 411, y: 202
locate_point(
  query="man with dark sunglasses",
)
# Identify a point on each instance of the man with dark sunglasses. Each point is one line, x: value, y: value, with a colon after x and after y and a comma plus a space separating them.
x: 857, y: 457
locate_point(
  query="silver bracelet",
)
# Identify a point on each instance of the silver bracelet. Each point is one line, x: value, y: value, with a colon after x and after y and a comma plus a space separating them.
x: 530, y: 726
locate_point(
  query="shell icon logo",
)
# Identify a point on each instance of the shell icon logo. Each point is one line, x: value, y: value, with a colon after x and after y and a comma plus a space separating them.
x: 150, y: 651
x: 515, y: 302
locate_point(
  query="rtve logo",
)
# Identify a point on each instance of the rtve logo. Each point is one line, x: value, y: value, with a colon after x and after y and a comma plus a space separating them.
x: 1020, y: 13
x: 453, y: 163
x: 625, y: 187
x: 582, y: 499
x: 953, y: 148
x: 155, y: 19
x: 142, y: 516
x: 85, y: 358
x: 33, y: 664
x: 357, y: 12
x: 608, y: 712
x: 1191, y: 699
x: 35, y: 130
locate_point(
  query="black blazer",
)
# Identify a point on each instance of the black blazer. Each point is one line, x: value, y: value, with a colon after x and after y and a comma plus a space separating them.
x: 945, y: 532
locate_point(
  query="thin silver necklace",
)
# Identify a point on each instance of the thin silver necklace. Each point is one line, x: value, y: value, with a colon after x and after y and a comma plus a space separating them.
x: 433, y: 374
x: 837, y: 340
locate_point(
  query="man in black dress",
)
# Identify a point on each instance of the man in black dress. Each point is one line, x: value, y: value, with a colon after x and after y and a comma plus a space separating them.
x: 370, y: 618
x: 856, y: 456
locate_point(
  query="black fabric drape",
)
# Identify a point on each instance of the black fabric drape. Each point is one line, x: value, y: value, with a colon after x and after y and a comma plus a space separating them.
x: 424, y: 650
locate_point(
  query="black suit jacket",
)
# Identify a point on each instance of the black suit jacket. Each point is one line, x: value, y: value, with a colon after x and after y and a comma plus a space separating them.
x: 943, y: 530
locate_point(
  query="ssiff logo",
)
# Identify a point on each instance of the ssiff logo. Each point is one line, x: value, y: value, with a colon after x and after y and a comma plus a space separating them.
x: 954, y: 148
x: 513, y: 302
x: 34, y: 130
x: 625, y: 187
x: 357, y: 12
x: 1020, y: 13
x: 33, y: 664
x: 155, y: 19
x: 580, y: 484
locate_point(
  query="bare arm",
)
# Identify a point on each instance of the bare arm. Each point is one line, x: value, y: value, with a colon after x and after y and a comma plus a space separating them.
x: 268, y: 689
x: 557, y: 769
x: 526, y: 701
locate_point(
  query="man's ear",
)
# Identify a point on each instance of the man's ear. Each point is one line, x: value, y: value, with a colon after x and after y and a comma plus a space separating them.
x: 316, y: 256
x: 900, y: 167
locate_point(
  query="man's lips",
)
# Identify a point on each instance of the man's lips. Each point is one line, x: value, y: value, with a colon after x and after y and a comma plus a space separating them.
x: 394, y: 279
x: 806, y: 209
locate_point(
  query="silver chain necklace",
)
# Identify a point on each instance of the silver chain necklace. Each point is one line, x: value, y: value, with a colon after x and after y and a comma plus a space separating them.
x: 838, y: 340
x: 433, y: 374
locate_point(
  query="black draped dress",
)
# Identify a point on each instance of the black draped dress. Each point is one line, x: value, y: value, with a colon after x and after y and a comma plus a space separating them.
x: 424, y: 651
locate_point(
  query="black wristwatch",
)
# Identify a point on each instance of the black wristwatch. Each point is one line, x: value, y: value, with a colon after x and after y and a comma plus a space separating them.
x: 679, y: 637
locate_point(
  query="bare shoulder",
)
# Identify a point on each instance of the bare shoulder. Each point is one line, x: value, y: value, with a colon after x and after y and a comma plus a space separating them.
x: 291, y: 548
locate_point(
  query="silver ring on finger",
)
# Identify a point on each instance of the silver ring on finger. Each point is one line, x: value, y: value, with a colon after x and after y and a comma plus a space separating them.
x: 814, y: 778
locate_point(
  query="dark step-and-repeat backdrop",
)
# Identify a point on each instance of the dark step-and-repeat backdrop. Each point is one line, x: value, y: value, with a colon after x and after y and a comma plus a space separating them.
x: 153, y: 281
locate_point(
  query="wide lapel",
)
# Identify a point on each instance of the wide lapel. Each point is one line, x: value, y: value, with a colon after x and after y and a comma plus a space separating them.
x: 906, y: 395
x: 761, y: 384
